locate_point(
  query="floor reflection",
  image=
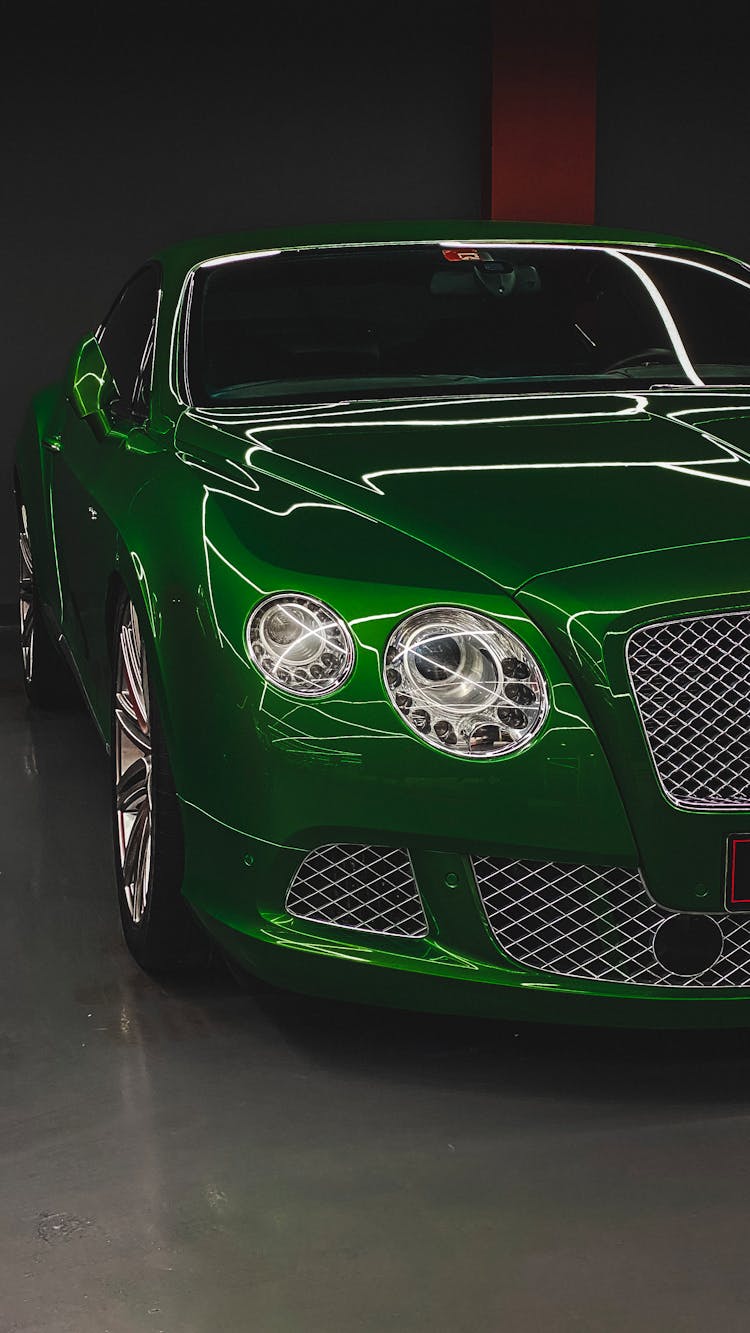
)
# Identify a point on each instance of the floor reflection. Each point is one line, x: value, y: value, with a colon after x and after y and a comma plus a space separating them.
x: 186, y: 1155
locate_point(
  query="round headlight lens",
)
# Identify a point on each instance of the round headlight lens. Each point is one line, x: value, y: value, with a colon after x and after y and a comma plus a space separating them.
x: 465, y: 683
x: 300, y: 644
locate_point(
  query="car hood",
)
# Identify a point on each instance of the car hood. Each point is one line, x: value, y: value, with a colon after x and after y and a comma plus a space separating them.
x: 517, y: 488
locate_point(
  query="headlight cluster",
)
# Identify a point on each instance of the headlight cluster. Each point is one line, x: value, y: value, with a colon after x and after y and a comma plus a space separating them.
x: 464, y: 683
x: 300, y: 644
x: 460, y: 680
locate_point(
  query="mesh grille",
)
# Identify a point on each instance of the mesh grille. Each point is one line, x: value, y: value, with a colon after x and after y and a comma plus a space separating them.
x: 361, y: 888
x: 594, y: 923
x: 691, y: 680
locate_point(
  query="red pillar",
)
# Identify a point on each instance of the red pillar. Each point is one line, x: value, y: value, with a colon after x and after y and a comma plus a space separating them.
x: 543, y: 111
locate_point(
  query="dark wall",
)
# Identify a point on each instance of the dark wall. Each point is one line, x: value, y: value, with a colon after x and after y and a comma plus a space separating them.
x: 114, y: 146
x: 673, y: 151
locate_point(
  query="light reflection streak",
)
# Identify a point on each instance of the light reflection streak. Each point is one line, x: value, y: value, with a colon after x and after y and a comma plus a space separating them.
x: 577, y: 619
x: 665, y: 313
x: 332, y: 422
x: 54, y: 545
x: 518, y: 467
x: 149, y: 599
x: 240, y: 257
x: 258, y: 417
x: 254, y: 837
x: 688, y: 470
x: 692, y: 263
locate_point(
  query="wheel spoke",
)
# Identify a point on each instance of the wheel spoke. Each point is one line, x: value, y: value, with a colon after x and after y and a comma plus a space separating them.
x: 126, y: 703
x: 133, y: 774
x: 133, y: 671
x: 142, y: 872
x: 26, y: 596
x: 128, y: 723
x: 27, y: 628
x: 134, y: 846
x: 25, y: 547
x: 132, y: 788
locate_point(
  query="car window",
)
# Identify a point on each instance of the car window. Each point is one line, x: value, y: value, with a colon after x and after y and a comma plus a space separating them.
x: 395, y: 319
x: 312, y: 325
x: 127, y: 338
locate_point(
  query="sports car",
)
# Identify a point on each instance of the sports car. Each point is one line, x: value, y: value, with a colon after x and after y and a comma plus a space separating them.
x: 405, y: 571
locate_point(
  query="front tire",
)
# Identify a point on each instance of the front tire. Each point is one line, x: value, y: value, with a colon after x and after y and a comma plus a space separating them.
x: 159, y: 928
x: 46, y: 676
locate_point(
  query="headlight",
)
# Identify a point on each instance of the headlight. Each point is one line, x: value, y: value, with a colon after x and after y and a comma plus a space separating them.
x: 300, y: 644
x: 465, y: 683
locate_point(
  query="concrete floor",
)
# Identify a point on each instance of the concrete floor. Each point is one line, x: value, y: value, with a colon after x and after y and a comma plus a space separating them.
x: 190, y: 1158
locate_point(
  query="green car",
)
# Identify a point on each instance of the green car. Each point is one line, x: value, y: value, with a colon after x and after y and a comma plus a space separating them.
x: 405, y: 571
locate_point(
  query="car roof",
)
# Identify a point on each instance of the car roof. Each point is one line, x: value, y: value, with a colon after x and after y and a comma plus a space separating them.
x: 187, y: 255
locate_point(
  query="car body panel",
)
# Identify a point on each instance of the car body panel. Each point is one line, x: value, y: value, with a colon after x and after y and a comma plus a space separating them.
x: 571, y: 518
x: 499, y: 485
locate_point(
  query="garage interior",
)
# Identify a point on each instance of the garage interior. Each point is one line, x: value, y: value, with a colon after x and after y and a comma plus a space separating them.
x: 190, y: 1156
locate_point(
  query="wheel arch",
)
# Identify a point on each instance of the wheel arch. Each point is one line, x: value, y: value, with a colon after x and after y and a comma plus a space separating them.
x: 160, y: 561
x: 125, y: 581
x: 116, y: 587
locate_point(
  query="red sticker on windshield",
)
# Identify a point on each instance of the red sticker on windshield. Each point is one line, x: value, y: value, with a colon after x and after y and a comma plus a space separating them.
x: 456, y: 256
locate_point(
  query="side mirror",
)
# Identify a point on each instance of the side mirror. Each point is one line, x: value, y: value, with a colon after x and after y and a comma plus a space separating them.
x: 91, y: 387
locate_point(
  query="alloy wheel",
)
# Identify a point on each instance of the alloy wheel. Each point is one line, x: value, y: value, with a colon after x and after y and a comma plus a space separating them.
x: 26, y: 594
x: 133, y: 765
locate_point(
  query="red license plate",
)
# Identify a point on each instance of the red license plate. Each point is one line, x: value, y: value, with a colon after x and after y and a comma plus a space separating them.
x: 738, y: 873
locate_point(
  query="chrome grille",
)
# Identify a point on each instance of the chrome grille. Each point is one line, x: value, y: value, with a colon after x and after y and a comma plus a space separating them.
x: 359, y: 888
x: 593, y: 923
x: 691, y: 680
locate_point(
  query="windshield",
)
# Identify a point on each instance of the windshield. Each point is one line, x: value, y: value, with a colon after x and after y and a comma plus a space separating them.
x: 395, y: 320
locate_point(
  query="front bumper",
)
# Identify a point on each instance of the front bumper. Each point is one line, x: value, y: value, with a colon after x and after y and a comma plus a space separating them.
x: 237, y: 884
x: 268, y: 778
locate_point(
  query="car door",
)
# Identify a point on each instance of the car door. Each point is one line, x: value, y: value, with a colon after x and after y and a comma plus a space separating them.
x: 92, y: 475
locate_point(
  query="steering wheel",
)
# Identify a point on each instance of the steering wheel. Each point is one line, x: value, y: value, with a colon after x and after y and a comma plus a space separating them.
x: 649, y: 355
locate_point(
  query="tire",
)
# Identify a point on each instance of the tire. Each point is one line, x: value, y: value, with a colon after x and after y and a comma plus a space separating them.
x: 47, y: 677
x: 159, y: 928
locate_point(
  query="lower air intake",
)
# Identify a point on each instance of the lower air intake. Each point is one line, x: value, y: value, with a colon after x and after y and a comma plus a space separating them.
x: 600, y: 924
x: 359, y: 888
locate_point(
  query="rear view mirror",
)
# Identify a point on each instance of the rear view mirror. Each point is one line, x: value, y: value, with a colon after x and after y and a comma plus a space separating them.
x: 91, y: 386
x: 498, y: 279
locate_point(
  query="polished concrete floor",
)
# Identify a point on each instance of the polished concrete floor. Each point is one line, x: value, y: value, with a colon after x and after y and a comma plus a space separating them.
x: 193, y: 1159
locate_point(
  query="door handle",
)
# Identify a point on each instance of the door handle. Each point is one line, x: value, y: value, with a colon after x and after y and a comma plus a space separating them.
x: 53, y: 442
